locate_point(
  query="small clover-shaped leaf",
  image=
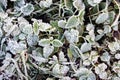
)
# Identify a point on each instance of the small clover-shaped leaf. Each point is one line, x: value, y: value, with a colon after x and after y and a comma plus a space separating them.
x: 57, y: 43
x: 47, y: 51
x: 45, y: 26
x: 27, y: 9
x: 85, y: 47
x: 93, y: 2
x: 44, y: 42
x: 72, y: 35
x: 100, y: 68
x: 27, y: 29
x: 105, y: 57
x: 36, y: 27
x: 56, y: 69
x: 102, y: 18
x: 62, y: 57
x: 72, y: 22
x: 103, y: 75
x: 45, y: 4
x: 62, y: 23
x: 78, y: 4
x: 32, y: 40
x: 84, y: 73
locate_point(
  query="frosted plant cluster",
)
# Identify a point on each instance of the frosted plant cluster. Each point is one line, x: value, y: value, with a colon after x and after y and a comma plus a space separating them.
x: 59, y: 40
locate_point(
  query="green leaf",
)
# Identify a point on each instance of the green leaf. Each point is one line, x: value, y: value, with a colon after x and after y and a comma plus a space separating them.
x: 57, y: 43
x: 54, y: 24
x: 69, y: 53
x: 81, y: 16
x: 102, y: 18
x: 72, y: 22
x: 68, y: 4
x: 111, y: 16
x: 36, y: 28
x: 44, y: 42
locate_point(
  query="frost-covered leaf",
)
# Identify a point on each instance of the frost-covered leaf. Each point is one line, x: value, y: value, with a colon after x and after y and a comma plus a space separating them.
x: 60, y: 70
x: 91, y: 76
x: 3, y: 15
x: 76, y: 51
x: 47, y: 51
x: 86, y: 62
x: 62, y: 57
x: 39, y: 59
x: 64, y: 70
x: 66, y: 78
x: 72, y: 35
x: 44, y: 26
x: 3, y: 3
x: 45, y: 4
x: 93, y: 56
x: 103, y: 75
x: 93, y: 2
x: 78, y: 4
x: 7, y: 27
x: 117, y: 56
x: 102, y: 18
x: 72, y: 22
x: 116, y: 67
x: 105, y: 57
x: 15, y: 47
x: 90, y: 27
x: 107, y: 29
x: 114, y: 46
x: 20, y: 3
x: 2, y: 55
x: 62, y: 23
x: 57, y: 43
x: 44, y: 42
x: 100, y: 68
x: 32, y: 40
x: 16, y: 31
x: 115, y: 78
x: 98, y: 37
x: 1, y: 33
x: 27, y: 9
x: 84, y: 73
x: 85, y: 47
x: 50, y: 79
x: 27, y: 29
x: 22, y: 36
x: 56, y: 69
